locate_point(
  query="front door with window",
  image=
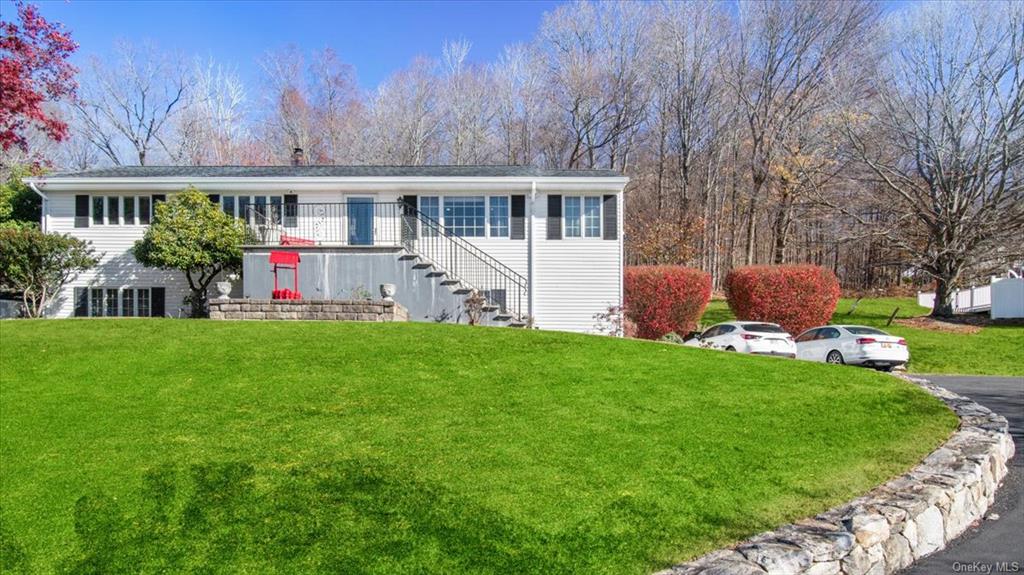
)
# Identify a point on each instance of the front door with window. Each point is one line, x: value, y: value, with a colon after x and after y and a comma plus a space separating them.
x: 360, y: 221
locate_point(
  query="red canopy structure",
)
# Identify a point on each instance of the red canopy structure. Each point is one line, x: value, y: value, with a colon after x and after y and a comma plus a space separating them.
x: 286, y: 261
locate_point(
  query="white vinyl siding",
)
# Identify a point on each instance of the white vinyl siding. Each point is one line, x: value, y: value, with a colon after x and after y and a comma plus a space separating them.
x: 574, y: 279
x: 117, y: 267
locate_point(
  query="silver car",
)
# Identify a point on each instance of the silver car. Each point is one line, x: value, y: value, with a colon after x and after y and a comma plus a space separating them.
x: 854, y: 345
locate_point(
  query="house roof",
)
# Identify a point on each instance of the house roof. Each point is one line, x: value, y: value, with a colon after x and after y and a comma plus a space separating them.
x: 333, y: 172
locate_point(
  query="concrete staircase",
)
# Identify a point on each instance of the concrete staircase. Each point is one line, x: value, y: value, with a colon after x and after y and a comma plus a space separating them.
x: 494, y: 311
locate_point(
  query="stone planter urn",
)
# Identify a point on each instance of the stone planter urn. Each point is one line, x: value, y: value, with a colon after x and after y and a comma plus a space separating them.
x: 387, y: 291
x: 224, y: 289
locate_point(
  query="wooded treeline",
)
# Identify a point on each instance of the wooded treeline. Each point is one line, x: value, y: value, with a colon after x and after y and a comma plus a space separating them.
x: 884, y: 146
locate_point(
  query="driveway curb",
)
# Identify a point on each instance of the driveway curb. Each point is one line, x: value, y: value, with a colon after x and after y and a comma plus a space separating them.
x: 896, y: 523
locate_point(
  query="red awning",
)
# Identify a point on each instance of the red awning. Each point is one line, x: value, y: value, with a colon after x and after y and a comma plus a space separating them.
x: 285, y: 258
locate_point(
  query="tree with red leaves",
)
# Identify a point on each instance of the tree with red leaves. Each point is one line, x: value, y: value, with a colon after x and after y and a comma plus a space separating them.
x: 34, y: 69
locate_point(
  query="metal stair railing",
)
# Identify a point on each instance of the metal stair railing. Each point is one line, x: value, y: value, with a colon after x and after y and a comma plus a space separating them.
x: 461, y: 261
x: 394, y: 224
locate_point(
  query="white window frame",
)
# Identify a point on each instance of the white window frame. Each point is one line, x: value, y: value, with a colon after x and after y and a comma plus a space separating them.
x: 444, y: 218
x: 583, y: 218
x: 508, y: 217
x: 104, y: 290
x: 487, y: 213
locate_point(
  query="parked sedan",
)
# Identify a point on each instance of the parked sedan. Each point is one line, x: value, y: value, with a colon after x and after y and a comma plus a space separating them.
x: 747, y: 337
x: 852, y: 344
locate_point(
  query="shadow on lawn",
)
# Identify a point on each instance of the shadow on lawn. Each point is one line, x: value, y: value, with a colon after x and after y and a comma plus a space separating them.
x: 338, y: 517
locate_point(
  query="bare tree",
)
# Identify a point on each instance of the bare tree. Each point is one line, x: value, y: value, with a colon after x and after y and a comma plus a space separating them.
x: 406, y: 117
x: 518, y: 84
x: 130, y: 103
x: 468, y: 108
x: 594, y: 55
x: 289, y: 122
x: 943, y: 144
x: 337, y: 106
x: 780, y: 74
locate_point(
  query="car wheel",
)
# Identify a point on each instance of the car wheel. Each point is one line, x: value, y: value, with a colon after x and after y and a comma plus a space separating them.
x: 730, y: 348
x: 834, y: 357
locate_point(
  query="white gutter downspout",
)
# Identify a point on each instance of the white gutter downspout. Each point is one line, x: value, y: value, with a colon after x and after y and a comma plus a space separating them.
x: 44, y: 213
x: 529, y: 253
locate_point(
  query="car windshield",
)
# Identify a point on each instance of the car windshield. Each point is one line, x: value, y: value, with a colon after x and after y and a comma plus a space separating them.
x: 763, y: 328
x: 858, y: 330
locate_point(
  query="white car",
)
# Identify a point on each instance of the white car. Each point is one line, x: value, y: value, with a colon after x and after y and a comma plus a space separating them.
x: 852, y: 344
x: 755, y: 337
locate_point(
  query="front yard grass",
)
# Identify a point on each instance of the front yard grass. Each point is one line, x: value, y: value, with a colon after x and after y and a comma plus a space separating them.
x: 995, y: 350
x: 302, y: 447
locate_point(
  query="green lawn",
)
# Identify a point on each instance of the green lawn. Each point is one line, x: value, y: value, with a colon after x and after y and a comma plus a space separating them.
x: 301, y: 447
x: 996, y: 350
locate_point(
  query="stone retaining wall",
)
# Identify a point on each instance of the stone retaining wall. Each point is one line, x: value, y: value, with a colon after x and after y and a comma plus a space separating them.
x: 898, y: 522
x: 341, y: 310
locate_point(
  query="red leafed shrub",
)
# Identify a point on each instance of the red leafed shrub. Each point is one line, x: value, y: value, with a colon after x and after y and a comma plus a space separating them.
x: 797, y: 297
x: 663, y: 299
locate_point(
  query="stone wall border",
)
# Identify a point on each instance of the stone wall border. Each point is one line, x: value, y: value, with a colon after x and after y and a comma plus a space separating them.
x: 308, y: 309
x: 896, y: 523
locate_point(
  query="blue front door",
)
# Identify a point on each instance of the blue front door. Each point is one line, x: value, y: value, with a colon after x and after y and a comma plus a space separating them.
x: 360, y: 221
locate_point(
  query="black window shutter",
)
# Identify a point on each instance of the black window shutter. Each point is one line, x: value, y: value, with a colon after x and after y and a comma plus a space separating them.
x: 214, y: 198
x: 409, y: 220
x: 611, y: 217
x: 156, y: 306
x: 291, y: 210
x: 81, y: 301
x: 81, y: 211
x: 517, y: 224
x: 554, y: 216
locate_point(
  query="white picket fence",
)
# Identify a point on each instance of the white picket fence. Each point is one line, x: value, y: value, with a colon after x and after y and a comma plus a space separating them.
x: 1010, y: 293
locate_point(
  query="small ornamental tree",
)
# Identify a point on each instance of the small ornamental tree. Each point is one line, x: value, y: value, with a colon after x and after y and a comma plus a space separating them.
x: 192, y: 235
x: 663, y: 299
x: 797, y: 297
x: 39, y: 265
x: 34, y: 69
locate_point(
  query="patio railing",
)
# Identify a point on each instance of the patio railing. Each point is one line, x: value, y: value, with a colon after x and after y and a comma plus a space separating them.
x: 437, y: 249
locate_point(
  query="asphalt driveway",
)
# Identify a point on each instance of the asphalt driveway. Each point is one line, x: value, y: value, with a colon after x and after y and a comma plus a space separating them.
x: 994, y: 543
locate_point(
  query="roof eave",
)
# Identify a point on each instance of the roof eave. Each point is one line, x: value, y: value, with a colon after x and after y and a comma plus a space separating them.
x: 313, y: 182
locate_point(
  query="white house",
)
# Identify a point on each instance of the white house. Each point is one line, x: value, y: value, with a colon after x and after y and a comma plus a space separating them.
x: 540, y: 245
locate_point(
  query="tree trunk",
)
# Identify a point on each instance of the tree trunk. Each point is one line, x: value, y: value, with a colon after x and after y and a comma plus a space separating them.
x: 943, y: 306
x: 198, y: 302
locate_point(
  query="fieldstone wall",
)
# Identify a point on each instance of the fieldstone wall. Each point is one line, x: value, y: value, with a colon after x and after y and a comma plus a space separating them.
x: 898, y: 522
x: 340, y: 310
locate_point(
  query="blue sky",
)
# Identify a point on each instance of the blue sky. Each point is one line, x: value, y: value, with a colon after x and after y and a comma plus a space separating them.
x: 376, y: 37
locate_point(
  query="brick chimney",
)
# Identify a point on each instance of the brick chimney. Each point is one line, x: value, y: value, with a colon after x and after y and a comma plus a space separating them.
x: 298, y: 158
